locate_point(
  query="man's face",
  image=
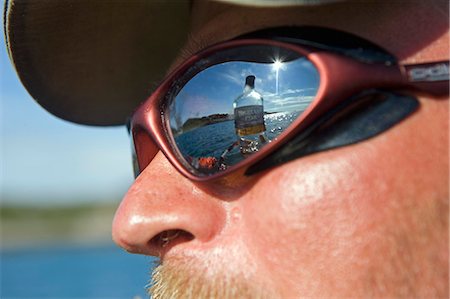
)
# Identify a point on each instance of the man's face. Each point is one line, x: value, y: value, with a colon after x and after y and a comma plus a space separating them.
x: 370, y: 219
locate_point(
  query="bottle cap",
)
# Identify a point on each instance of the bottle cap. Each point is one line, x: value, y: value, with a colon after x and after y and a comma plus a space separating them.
x: 250, y: 81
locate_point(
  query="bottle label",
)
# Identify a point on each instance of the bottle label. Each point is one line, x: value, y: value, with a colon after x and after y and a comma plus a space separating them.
x: 249, y: 120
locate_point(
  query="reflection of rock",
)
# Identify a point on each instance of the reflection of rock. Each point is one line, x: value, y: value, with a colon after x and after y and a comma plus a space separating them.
x: 193, y: 123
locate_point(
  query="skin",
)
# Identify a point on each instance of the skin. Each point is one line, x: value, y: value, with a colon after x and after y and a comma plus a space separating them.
x: 368, y: 220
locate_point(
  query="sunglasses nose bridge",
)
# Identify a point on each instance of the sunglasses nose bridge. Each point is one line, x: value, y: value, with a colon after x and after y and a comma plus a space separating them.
x: 145, y: 148
x: 145, y: 132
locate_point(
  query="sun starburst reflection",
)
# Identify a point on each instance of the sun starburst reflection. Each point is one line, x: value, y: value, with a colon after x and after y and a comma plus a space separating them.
x: 277, y: 65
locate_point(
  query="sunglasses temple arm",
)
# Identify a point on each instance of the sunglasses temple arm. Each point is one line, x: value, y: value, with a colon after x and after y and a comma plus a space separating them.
x: 432, y: 78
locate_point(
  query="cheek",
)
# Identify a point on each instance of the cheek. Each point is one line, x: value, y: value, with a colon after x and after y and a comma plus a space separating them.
x: 333, y: 216
x: 317, y: 224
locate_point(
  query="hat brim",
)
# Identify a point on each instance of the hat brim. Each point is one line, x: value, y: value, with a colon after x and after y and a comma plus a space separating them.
x: 92, y: 62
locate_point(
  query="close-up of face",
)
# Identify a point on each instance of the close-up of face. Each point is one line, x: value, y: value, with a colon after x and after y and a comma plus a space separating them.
x: 364, y: 220
x: 281, y: 149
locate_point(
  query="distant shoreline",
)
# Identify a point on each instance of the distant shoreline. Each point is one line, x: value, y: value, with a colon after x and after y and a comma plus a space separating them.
x: 198, y: 122
x: 40, y: 226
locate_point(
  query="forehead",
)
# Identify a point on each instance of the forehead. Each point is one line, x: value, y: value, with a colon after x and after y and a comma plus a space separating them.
x: 392, y: 25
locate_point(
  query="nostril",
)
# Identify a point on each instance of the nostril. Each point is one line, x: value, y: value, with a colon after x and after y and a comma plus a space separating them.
x: 170, y: 237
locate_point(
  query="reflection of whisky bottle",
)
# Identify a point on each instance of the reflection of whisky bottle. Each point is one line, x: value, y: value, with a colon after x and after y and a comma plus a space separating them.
x: 249, y: 118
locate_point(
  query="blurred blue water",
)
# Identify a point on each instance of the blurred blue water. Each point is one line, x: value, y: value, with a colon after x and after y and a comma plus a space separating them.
x: 74, y: 272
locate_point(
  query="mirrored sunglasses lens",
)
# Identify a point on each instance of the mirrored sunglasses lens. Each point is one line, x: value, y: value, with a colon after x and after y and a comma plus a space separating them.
x: 231, y: 105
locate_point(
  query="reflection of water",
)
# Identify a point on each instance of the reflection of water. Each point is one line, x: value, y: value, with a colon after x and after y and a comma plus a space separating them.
x: 213, y: 140
x: 276, y: 123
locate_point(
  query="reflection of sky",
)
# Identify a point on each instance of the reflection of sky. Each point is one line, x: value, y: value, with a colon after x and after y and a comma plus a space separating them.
x: 214, y: 89
x: 45, y: 159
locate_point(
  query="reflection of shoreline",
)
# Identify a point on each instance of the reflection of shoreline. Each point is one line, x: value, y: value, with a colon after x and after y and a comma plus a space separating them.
x: 195, y: 123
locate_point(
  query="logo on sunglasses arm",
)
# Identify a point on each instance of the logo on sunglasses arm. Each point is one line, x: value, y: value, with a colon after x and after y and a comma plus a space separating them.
x: 429, y: 72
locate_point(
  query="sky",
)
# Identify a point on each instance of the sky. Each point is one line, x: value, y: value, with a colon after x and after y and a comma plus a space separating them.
x: 284, y: 86
x: 45, y: 160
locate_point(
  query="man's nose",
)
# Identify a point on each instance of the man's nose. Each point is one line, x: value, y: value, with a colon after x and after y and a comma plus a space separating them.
x: 162, y: 208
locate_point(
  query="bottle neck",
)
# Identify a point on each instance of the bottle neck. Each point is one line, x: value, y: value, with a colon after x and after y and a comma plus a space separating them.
x: 248, y: 88
x: 249, y: 84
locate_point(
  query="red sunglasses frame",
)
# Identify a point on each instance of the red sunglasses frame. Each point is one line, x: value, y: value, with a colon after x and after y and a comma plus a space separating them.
x: 340, y: 78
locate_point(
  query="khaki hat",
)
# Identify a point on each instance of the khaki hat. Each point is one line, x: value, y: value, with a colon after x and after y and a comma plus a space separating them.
x: 93, y: 61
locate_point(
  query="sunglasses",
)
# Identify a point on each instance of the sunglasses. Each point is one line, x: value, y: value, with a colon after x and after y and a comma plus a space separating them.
x: 238, y: 102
